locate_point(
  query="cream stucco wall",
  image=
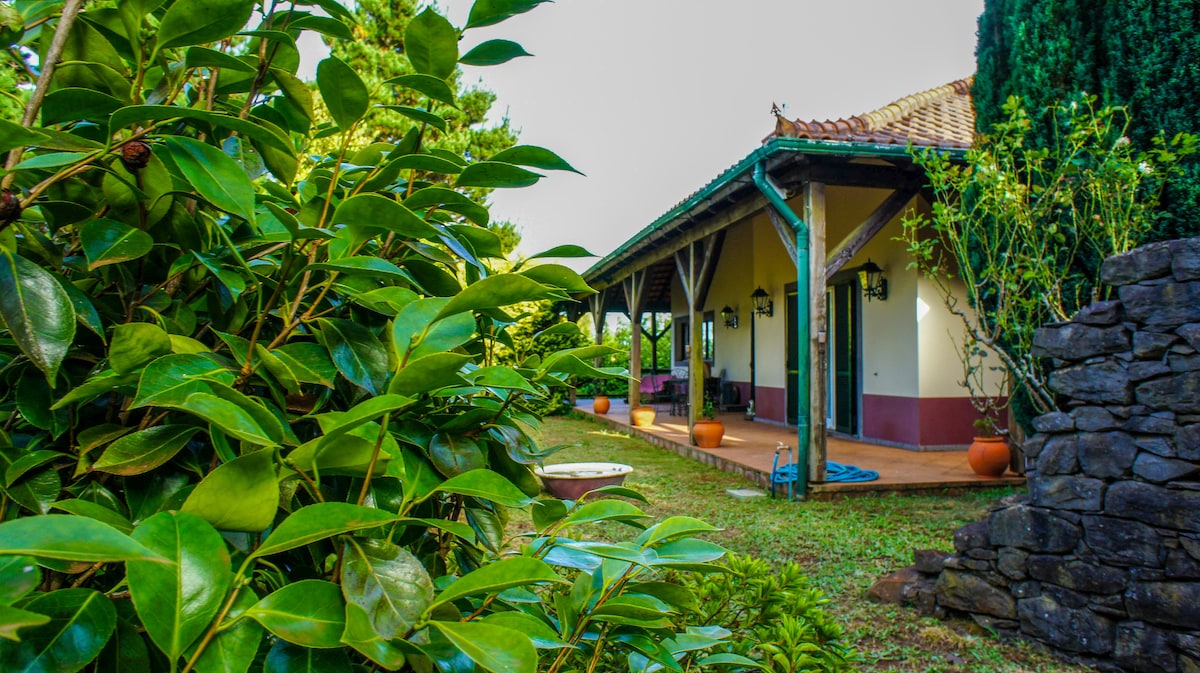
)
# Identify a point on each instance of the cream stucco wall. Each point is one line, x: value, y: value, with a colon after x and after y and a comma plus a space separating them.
x: 731, y: 288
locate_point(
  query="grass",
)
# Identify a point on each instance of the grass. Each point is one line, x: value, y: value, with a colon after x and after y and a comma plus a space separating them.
x: 843, y: 544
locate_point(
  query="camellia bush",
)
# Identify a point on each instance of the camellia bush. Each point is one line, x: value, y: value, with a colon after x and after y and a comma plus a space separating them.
x: 251, y: 415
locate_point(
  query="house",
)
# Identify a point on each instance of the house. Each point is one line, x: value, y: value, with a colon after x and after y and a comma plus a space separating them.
x: 772, y: 274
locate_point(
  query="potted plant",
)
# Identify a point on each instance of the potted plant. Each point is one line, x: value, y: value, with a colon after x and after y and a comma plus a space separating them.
x: 643, y: 416
x: 601, y: 404
x: 709, y: 430
x: 989, y: 454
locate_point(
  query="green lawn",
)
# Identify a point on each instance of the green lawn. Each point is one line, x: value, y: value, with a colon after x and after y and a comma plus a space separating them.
x: 844, y: 544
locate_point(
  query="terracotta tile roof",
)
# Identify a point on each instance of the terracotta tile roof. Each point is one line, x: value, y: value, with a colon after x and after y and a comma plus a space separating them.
x: 940, y: 117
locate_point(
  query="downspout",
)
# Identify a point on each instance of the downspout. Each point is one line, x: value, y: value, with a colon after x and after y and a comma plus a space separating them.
x: 803, y: 322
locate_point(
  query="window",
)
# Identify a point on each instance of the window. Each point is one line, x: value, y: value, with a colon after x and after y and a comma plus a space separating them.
x: 707, y: 340
x: 681, y: 336
x: 707, y: 344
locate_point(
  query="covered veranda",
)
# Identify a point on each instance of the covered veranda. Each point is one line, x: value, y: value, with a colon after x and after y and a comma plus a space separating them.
x: 749, y: 449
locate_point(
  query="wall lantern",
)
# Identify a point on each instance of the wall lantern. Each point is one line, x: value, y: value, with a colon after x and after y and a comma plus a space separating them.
x: 762, y: 303
x: 873, y: 283
x: 729, y: 316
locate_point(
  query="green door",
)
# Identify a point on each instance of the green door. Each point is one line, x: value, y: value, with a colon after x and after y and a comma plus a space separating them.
x: 845, y: 357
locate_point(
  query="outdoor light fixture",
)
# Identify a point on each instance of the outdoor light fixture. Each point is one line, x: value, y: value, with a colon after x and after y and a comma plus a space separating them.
x: 873, y: 283
x: 762, y: 303
x: 729, y: 316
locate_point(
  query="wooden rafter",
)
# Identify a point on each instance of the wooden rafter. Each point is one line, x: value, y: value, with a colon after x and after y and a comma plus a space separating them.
x: 863, y: 233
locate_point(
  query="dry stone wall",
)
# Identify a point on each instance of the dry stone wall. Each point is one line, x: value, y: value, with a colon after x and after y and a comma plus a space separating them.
x: 1101, y: 559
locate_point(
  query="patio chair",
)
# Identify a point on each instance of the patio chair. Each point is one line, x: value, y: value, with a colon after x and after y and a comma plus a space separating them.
x: 679, y: 397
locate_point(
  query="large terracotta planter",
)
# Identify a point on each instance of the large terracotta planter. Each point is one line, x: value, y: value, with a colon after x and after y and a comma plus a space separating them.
x: 708, y: 434
x: 601, y: 405
x: 988, y: 456
x: 642, y: 417
x: 569, y: 481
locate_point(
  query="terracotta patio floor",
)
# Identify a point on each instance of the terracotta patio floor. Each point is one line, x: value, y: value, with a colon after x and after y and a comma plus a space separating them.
x: 749, y: 448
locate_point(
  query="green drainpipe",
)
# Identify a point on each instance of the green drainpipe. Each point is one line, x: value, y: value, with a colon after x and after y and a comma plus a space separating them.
x: 803, y: 320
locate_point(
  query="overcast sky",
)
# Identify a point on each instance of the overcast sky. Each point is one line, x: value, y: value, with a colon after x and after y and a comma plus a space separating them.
x: 654, y: 98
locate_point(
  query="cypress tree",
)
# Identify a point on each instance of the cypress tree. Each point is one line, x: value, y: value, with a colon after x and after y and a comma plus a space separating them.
x: 1140, y: 54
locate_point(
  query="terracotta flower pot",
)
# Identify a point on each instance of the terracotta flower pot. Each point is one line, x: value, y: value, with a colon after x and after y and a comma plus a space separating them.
x: 708, y: 434
x: 988, y: 456
x: 642, y: 417
x: 601, y: 404
x: 571, y: 480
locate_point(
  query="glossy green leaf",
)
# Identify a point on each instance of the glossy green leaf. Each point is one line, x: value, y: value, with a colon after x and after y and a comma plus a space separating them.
x: 28, y: 462
x: 431, y: 86
x: 303, y: 362
x: 382, y: 213
x: 252, y: 478
x: 493, y: 52
x: 85, y: 311
x: 343, y: 91
x: 421, y: 116
x: 169, y: 380
x: 230, y: 418
x: 321, y: 521
x: 37, y: 311
x: 345, y: 454
x: 36, y: 491
x: 337, y: 423
x: 177, y: 600
x: 126, y: 650
x: 495, y: 577
x: 496, y: 175
x: 676, y: 594
x: 542, y: 634
x: 494, y: 648
x: 360, y: 634
x: 571, y: 251
x: 18, y: 576
x: 135, y: 344
x: 645, y: 611
x: 190, y: 22
x: 556, y: 275
x: 534, y: 157
x: 203, y: 57
x: 234, y: 649
x: 356, y: 352
x: 687, y: 551
x: 310, y: 613
x: 431, y: 44
x: 455, y: 454
x: 502, y: 376
x: 497, y: 291
x: 80, y: 622
x: 70, y: 538
x: 442, y: 336
x: 71, y: 104
x: 145, y: 450
x: 13, y: 135
x: 12, y: 620
x: 487, y: 485
x: 366, y: 265
x: 429, y: 373
x: 490, y: 12
x: 51, y: 160
x: 93, y: 510
x: 673, y: 528
x: 450, y: 200
x: 730, y: 659
x: 417, y: 475
x: 255, y: 130
x: 386, y: 581
x: 285, y: 657
x: 215, y: 177
x: 428, y: 163
x: 605, y: 510
x: 325, y: 25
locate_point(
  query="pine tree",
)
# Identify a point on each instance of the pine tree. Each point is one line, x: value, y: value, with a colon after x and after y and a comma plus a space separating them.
x: 1141, y: 54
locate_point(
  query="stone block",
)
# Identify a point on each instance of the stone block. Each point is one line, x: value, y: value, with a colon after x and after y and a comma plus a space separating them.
x: 1160, y: 470
x: 894, y: 587
x: 930, y: 561
x: 1152, y: 345
x: 1055, y: 421
x: 1181, y: 565
x: 1122, y: 542
x: 1100, y: 313
x: 967, y: 592
x: 1183, y: 363
x: 1144, y: 263
x: 1033, y: 529
x: 1093, y: 419
x: 1155, y: 505
x: 1179, y: 393
x: 1167, y: 603
x: 1159, y: 423
x: 1075, y: 341
x: 971, y: 536
x: 1011, y: 562
x: 1141, y: 648
x: 1143, y: 370
x: 1110, y: 606
x: 1190, y: 545
x: 1159, y: 446
x: 1059, y: 455
x: 1190, y: 333
x: 1073, y: 630
x: 1187, y: 442
x: 1063, y: 492
x: 1075, y: 575
x: 1105, y: 382
x: 1185, y: 259
x: 1165, y: 306
x: 1106, y: 455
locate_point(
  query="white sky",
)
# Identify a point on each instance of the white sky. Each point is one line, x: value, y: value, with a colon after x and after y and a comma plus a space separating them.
x: 654, y: 98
